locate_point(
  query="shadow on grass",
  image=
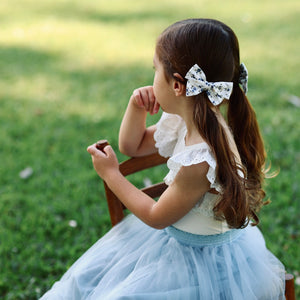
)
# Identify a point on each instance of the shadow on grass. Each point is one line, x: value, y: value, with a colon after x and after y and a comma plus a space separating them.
x: 56, y: 93
x: 23, y: 61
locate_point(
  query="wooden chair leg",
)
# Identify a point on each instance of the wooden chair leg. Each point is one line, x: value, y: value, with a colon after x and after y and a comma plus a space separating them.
x: 289, y: 287
x: 115, y: 206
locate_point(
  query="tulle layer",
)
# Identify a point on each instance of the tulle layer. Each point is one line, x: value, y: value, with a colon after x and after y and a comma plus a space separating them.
x: 134, y: 261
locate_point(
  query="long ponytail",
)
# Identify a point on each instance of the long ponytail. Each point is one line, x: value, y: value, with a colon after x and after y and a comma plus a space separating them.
x: 235, y: 205
x: 243, y: 123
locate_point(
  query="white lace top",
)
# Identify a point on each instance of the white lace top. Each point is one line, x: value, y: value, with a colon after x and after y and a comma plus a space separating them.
x: 170, y: 141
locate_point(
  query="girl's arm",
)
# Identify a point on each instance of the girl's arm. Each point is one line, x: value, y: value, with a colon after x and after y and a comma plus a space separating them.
x: 134, y: 138
x: 178, y: 199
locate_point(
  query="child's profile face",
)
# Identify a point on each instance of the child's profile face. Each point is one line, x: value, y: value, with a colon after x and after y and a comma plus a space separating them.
x: 163, y: 91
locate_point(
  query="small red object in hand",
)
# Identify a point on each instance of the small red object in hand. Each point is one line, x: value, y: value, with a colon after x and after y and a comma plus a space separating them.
x: 101, y: 144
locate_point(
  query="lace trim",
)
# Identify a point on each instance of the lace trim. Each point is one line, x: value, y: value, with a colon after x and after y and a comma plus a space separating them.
x: 192, y: 155
x: 166, y: 133
x: 206, y: 205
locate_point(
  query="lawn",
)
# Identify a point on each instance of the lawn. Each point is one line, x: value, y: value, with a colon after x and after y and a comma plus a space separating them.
x: 67, y: 70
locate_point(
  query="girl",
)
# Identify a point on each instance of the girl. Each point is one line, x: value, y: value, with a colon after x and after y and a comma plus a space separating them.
x: 199, y: 240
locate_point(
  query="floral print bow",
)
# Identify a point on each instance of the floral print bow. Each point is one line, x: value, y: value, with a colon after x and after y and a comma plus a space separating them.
x: 196, y: 84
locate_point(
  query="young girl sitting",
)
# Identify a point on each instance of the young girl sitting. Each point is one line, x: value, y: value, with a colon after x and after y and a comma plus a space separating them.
x: 199, y: 240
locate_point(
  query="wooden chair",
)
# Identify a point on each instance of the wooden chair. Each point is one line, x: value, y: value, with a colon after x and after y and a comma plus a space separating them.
x: 136, y: 164
x: 130, y: 166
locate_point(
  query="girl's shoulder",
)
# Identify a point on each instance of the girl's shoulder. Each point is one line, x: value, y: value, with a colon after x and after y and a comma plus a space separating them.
x: 170, y: 140
x: 194, y: 155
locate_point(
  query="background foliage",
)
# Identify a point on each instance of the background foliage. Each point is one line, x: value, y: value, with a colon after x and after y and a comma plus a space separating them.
x: 67, y: 69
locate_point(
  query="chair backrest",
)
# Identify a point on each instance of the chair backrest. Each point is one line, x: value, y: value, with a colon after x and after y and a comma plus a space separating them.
x: 136, y: 164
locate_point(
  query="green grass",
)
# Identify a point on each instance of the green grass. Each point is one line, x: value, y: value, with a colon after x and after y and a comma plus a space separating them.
x: 67, y: 69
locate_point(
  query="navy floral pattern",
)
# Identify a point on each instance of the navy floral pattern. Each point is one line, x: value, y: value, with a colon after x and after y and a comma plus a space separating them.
x: 243, y: 80
x: 196, y: 84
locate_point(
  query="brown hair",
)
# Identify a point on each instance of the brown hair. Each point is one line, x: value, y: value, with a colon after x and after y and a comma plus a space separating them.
x: 214, y: 47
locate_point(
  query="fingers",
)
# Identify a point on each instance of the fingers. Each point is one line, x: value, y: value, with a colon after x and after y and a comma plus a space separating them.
x: 91, y: 149
x: 144, y: 98
x: 151, y: 100
x: 94, y: 151
x: 104, y: 162
x: 107, y: 150
x: 156, y: 107
x: 138, y: 98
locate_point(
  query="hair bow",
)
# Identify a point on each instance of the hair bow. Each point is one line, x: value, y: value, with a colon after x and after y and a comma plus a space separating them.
x: 196, y: 84
x: 243, y: 79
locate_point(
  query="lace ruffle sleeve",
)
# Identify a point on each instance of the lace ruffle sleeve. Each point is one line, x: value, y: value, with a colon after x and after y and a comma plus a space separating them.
x: 166, y: 133
x: 195, y: 154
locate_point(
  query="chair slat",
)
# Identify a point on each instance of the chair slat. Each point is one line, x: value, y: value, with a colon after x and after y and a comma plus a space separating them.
x: 155, y: 190
x: 136, y: 164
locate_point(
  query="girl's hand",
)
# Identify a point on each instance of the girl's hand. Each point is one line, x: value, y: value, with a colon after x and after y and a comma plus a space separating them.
x: 105, y: 163
x: 144, y: 98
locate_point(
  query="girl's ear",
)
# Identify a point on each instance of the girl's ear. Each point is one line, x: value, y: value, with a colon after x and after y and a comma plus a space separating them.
x: 178, y: 85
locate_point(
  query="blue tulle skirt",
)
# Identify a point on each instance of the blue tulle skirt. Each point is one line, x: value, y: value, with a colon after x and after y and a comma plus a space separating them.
x: 134, y: 261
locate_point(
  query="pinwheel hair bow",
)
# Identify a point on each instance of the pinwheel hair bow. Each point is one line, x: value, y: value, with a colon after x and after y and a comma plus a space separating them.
x: 196, y: 84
